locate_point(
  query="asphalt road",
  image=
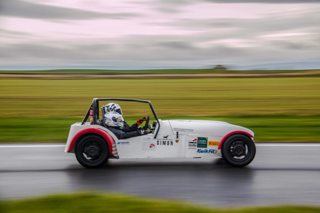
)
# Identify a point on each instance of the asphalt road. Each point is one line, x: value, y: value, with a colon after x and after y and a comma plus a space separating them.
x: 280, y: 174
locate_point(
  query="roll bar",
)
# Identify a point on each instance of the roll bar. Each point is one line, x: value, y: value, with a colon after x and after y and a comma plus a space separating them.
x: 95, y: 107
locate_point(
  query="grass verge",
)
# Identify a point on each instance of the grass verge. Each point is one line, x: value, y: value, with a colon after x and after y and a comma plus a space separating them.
x: 171, y: 97
x: 94, y: 203
x: 277, y: 109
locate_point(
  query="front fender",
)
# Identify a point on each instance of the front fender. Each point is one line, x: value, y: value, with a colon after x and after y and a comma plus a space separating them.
x: 225, y: 137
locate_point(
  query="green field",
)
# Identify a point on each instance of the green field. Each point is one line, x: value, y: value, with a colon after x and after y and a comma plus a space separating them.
x: 95, y: 203
x: 277, y: 109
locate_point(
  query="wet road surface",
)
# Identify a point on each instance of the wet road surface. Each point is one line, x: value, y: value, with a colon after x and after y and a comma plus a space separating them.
x: 280, y: 174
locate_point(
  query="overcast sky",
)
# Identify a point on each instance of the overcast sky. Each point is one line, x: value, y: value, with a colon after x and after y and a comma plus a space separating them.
x: 134, y: 34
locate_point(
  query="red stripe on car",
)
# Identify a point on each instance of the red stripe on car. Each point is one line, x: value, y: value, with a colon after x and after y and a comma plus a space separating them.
x: 233, y: 133
x: 103, y: 134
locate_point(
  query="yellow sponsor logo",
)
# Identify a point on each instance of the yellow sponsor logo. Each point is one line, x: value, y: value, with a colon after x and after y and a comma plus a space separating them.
x: 213, y: 143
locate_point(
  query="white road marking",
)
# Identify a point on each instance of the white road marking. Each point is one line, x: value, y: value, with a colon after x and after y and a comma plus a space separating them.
x: 257, y: 144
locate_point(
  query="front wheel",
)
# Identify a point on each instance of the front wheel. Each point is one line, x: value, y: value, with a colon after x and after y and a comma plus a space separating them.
x: 92, y: 151
x: 238, y: 150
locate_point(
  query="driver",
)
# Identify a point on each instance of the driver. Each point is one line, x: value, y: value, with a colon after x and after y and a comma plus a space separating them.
x: 114, y: 121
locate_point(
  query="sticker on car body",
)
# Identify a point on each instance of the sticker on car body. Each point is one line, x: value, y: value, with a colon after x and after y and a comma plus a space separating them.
x: 202, y: 142
x: 165, y: 142
x: 123, y: 142
x: 213, y: 143
x: 206, y: 151
x: 193, y: 144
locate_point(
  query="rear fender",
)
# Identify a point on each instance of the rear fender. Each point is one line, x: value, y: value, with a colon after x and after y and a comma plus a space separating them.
x: 107, y: 138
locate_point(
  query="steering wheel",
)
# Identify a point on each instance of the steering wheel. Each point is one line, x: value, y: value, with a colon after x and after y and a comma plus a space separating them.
x: 146, y: 126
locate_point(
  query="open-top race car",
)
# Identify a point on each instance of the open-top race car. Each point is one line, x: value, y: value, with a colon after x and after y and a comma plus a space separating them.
x: 94, y: 143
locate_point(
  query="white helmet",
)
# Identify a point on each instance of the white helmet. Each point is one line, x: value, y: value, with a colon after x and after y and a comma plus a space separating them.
x: 113, y: 115
x: 113, y: 108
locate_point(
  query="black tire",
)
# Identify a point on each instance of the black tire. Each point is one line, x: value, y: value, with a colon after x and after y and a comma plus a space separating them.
x: 238, y: 150
x: 92, y: 151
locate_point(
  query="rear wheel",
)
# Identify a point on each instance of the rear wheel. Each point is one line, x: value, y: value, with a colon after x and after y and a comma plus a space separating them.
x: 92, y: 151
x: 238, y: 150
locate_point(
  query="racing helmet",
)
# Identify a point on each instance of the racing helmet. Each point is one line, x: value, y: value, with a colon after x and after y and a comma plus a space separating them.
x: 113, y: 108
x: 113, y: 115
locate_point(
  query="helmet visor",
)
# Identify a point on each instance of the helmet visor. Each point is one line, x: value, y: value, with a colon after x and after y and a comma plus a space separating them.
x: 118, y: 111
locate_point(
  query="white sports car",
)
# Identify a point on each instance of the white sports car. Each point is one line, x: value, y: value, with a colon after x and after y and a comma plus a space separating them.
x: 93, y: 143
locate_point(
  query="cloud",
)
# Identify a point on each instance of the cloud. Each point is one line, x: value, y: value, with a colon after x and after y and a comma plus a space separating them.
x: 25, y: 9
x: 265, y: 1
x: 158, y: 51
x: 198, y: 34
x: 152, y: 51
x: 172, y: 6
x: 176, y: 45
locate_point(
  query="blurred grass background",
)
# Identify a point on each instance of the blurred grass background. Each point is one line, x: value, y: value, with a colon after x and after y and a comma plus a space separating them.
x: 91, y: 202
x: 276, y: 108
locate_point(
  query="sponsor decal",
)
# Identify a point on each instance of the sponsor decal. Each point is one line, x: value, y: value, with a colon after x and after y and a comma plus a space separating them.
x: 164, y: 142
x: 123, y: 142
x: 152, y: 146
x: 206, y: 151
x: 149, y: 146
x: 177, y: 137
x: 213, y: 143
x: 202, y: 142
x: 193, y: 144
x: 165, y: 137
